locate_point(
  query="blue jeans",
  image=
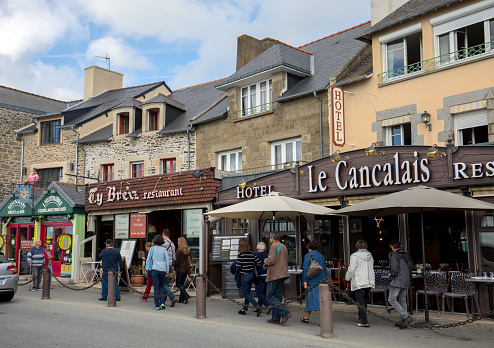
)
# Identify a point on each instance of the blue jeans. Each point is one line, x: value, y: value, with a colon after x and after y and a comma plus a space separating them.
x: 168, y: 292
x: 181, y: 277
x: 261, y: 292
x: 104, y: 287
x: 159, y: 286
x: 275, y: 296
x: 246, y: 285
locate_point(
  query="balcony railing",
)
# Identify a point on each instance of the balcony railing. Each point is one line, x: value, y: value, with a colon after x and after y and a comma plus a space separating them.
x: 437, y: 62
x: 256, y: 110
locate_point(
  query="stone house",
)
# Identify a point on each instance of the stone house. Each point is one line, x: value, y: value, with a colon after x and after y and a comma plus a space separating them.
x: 17, y: 108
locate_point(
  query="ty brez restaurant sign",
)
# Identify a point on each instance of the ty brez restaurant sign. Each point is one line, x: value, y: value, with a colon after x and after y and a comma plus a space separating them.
x: 126, y: 193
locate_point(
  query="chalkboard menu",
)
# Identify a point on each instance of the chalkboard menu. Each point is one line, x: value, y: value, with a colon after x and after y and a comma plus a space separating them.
x: 225, y: 247
x: 228, y: 281
x: 23, y: 265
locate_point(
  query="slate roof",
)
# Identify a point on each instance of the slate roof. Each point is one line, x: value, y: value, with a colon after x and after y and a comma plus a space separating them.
x: 130, y: 102
x: 280, y: 54
x: 331, y: 53
x: 28, y: 129
x: 161, y: 98
x: 103, y: 103
x: 103, y: 134
x: 362, y: 71
x: 14, y: 99
x: 409, y: 10
x: 219, y: 110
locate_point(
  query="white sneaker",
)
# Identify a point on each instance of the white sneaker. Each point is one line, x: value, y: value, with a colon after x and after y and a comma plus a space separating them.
x: 39, y: 289
x: 33, y: 289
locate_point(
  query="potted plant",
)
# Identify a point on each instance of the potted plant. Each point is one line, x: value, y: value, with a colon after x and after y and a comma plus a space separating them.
x: 136, y: 275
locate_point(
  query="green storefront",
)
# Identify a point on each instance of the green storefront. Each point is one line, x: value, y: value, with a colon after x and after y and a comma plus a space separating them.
x: 55, y: 215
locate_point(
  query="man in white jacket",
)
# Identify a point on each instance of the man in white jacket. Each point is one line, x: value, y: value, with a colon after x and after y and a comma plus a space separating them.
x: 361, y: 274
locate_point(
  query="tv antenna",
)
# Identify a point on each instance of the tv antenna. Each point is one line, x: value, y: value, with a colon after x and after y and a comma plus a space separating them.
x: 106, y: 58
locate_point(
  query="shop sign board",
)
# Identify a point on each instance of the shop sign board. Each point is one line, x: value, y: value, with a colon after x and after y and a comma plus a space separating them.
x: 191, y: 222
x: 137, y: 225
x: 122, y: 226
x: 15, y: 208
x: 65, y: 242
x: 338, y: 111
x: 26, y: 244
x: 113, y: 194
x: 52, y: 205
x: 25, y: 193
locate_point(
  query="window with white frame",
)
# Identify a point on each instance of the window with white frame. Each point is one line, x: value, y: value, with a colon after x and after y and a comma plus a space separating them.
x: 471, y: 127
x: 257, y: 98
x: 286, y: 151
x: 403, y: 55
x: 465, y: 35
x: 400, y: 134
x: 230, y: 161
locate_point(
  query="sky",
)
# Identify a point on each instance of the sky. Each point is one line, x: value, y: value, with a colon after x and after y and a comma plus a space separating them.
x: 46, y: 44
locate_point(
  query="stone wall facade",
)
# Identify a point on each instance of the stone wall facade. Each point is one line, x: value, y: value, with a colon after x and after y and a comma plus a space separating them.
x: 10, y: 156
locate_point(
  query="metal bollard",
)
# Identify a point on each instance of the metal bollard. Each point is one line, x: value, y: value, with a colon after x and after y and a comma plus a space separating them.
x: 112, y: 288
x: 46, y: 284
x: 200, y: 298
x: 326, y: 314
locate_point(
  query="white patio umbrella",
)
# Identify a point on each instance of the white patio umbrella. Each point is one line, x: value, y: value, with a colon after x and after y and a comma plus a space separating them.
x: 274, y: 204
x: 413, y: 200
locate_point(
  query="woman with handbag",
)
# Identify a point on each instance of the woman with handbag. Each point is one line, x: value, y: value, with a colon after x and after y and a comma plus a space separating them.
x: 182, y: 268
x: 246, y: 264
x: 158, y: 264
x: 313, y: 270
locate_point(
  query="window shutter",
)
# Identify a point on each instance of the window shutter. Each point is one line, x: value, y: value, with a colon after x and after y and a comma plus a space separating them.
x: 471, y: 119
x: 464, y: 21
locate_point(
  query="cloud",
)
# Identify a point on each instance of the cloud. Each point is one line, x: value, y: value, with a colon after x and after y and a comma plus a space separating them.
x: 123, y: 54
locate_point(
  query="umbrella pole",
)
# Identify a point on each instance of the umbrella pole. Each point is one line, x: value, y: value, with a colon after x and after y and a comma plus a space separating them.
x: 424, y: 272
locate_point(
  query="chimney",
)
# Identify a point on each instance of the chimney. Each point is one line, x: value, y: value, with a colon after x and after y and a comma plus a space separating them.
x: 382, y: 8
x: 98, y: 80
x: 249, y: 48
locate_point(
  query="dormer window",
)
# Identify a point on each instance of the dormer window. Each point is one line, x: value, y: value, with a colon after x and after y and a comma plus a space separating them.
x: 153, y: 118
x: 123, y: 123
x: 257, y: 98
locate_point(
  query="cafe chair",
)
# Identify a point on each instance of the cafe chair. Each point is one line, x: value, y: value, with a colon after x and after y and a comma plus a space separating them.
x: 190, y: 278
x: 437, y: 284
x: 86, y: 269
x: 382, y: 285
x: 461, y: 289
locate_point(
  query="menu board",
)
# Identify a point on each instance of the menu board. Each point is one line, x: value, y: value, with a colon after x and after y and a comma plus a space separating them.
x: 127, y: 251
x: 137, y: 225
x: 122, y: 226
x: 229, y: 286
x: 191, y: 222
x: 23, y: 265
x: 225, y: 247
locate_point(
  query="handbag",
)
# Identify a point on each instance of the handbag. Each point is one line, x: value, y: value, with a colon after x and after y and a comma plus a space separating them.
x: 149, y: 264
x: 314, y: 268
x: 256, y: 276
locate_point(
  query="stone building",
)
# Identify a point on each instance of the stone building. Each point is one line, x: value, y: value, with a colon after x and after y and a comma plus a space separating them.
x: 17, y: 108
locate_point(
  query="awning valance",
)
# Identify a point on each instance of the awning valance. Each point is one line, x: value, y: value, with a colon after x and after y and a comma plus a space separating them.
x: 396, y: 120
x: 479, y: 104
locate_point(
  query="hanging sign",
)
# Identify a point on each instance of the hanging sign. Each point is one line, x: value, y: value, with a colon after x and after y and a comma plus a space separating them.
x: 24, y: 194
x: 338, y: 111
x: 122, y: 226
x: 2, y: 242
x: 64, y: 242
x: 137, y: 225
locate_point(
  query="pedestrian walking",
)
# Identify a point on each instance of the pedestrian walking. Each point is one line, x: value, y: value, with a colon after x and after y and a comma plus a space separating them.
x: 261, y: 283
x: 49, y: 261
x: 361, y: 276
x: 110, y: 260
x: 247, y: 262
x: 170, y: 249
x: 36, y: 260
x: 312, y: 301
x: 277, y: 273
x: 400, y: 274
x: 158, y: 264
x: 149, y: 281
x: 182, y: 270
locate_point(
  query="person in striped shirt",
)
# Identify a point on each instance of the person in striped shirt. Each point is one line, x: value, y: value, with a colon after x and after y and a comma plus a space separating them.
x: 246, y: 263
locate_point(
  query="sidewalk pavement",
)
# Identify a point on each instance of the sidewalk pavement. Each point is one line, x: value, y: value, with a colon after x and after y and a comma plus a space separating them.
x: 486, y: 324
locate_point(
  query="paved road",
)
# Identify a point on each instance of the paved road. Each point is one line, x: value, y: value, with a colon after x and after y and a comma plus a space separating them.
x: 75, y: 319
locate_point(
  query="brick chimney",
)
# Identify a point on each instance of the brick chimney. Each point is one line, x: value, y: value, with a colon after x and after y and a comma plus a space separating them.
x: 249, y: 48
x: 382, y: 8
x: 98, y: 80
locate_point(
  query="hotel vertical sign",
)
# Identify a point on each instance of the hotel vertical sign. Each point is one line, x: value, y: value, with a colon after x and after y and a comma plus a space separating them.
x: 338, y: 114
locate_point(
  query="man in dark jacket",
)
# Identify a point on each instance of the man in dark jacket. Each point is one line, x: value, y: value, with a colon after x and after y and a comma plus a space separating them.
x: 110, y: 260
x: 401, y: 273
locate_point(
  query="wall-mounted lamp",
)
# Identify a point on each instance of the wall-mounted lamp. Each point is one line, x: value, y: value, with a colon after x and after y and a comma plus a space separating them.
x: 287, y: 165
x: 197, y: 173
x: 71, y: 166
x: 433, y: 152
x: 371, y: 150
x: 335, y: 157
x: 53, y: 191
x: 70, y: 216
x: 426, y: 119
x: 242, y: 185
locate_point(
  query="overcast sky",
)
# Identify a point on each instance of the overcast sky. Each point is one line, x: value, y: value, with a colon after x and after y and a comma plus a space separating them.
x: 46, y: 44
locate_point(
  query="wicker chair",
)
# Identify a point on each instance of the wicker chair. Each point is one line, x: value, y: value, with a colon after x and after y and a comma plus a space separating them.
x: 437, y: 284
x: 460, y: 288
x: 382, y: 285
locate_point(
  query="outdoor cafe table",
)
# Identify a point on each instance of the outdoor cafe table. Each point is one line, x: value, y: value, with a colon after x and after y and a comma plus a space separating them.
x: 488, y: 281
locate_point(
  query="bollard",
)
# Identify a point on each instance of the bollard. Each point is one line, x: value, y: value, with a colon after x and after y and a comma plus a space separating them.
x: 46, y: 284
x: 112, y: 288
x: 200, y: 298
x: 326, y: 314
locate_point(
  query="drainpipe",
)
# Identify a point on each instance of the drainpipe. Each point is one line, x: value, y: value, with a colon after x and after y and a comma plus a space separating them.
x: 320, y: 123
x: 189, y: 128
x: 22, y: 155
x: 77, y: 156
